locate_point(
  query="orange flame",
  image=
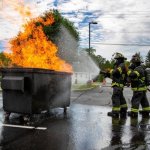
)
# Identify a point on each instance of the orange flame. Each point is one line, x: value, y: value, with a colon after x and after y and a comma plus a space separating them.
x: 32, y: 49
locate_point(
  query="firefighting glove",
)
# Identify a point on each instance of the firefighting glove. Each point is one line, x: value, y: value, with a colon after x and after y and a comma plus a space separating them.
x: 133, y: 75
x: 132, y: 66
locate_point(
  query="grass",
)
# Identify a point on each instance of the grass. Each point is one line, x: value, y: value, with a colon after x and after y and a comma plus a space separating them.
x: 81, y: 87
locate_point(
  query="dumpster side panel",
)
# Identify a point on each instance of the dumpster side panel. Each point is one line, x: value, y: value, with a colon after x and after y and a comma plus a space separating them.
x: 60, y: 87
x: 16, y: 102
x: 39, y: 95
x: 31, y: 91
x: 51, y: 90
x: 16, y: 99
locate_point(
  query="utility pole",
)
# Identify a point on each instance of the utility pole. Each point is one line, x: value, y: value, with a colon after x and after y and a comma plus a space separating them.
x: 90, y: 35
x: 90, y: 42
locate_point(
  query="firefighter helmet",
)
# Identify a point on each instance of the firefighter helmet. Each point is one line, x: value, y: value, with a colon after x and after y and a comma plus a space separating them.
x: 136, y: 59
x: 118, y: 56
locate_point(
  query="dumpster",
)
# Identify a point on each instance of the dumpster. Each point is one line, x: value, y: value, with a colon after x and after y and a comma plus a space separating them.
x: 33, y: 90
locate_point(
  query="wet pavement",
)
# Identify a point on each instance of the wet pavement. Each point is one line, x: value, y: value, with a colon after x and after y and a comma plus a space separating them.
x: 86, y: 126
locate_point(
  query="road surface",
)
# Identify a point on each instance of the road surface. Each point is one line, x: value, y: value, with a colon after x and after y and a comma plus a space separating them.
x: 86, y: 126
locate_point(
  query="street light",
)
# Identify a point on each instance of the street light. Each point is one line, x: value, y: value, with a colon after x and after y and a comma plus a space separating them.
x: 92, y: 22
x: 90, y: 34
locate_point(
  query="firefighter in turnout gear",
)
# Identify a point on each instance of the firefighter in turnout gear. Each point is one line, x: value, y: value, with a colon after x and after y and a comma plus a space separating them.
x: 118, y: 75
x: 137, y: 77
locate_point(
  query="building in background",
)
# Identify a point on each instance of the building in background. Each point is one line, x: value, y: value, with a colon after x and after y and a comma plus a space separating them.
x: 85, y: 69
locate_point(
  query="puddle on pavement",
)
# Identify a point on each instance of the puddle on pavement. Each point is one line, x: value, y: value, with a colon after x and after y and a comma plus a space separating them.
x: 93, y: 128
x: 89, y: 128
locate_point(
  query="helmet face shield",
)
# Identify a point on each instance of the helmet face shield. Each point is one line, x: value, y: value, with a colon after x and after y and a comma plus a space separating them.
x: 115, y: 61
x: 118, y: 61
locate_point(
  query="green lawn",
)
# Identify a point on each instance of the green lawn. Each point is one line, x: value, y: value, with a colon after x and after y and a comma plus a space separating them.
x: 81, y: 87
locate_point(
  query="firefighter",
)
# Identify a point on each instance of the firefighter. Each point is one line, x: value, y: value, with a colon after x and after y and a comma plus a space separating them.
x: 118, y: 75
x: 137, y: 77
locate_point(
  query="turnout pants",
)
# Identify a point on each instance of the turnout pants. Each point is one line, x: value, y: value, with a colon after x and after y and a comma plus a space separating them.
x: 118, y: 100
x: 139, y: 97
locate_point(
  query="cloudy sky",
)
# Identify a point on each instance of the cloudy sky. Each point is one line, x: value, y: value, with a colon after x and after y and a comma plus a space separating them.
x: 123, y: 25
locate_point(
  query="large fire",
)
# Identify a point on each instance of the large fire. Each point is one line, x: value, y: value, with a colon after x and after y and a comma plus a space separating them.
x: 32, y: 49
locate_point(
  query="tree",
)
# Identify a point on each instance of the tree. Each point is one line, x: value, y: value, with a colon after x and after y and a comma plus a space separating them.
x: 4, y: 61
x: 147, y: 61
x: 139, y: 55
x: 90, y: 51
x: 100, y: 61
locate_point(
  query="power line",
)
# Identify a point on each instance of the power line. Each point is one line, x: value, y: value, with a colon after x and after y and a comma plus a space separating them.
x: 107, y: 12
x: 125, y: 16
x: 123, y: 13
x: 122, y: 44
x: 136, y: 32
x: 129, y: 11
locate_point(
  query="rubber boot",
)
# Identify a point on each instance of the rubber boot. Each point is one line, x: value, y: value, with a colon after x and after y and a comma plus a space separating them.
x: 113, y: 114
x: 132, y: 114
x: 145, y: 114
x: 140, y: 112
x: 123, y: 113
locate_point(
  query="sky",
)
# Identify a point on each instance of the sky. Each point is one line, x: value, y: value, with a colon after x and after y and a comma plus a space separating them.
x: 122, y: 25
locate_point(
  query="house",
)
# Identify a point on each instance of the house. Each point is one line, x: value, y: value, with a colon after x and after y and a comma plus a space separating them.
x: 85, y: 69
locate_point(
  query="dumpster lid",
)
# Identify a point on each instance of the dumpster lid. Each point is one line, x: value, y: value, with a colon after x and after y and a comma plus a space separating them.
x: 33, y: 70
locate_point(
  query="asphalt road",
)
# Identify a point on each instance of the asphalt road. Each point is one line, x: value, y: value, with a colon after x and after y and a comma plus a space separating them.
x: 86, y: 126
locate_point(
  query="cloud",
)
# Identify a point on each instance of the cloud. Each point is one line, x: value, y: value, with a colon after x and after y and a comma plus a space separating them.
x: 119, y: 22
